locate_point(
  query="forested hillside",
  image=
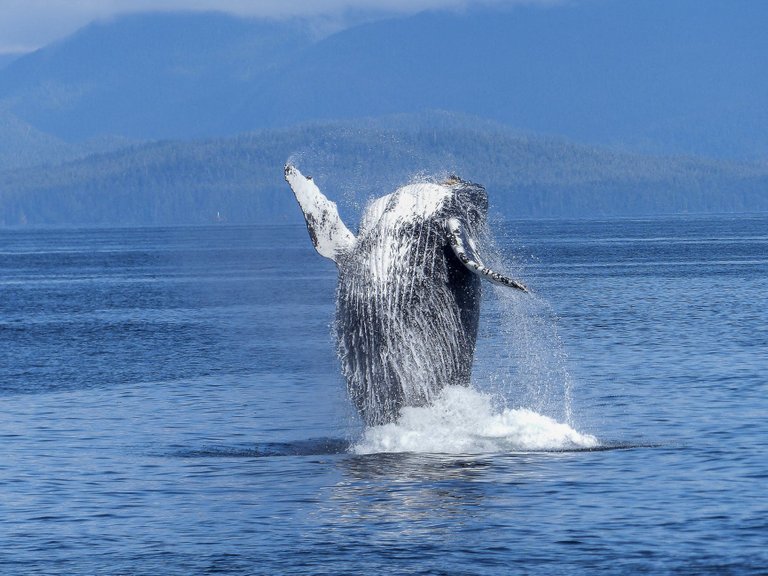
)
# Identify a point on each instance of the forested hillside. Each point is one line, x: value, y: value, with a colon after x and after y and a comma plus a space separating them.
x: 240, y: 179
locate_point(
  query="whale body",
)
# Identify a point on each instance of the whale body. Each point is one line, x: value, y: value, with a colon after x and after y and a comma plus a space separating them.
x: 408, y: 296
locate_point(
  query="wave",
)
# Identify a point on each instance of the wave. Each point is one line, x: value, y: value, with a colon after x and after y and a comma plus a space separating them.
x: 311, y: 447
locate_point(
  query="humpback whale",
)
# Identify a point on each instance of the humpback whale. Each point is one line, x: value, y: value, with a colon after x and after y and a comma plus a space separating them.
x: 408, y: 295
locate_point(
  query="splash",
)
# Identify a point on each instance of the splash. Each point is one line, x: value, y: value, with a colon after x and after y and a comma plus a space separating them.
x: 464, y: 421
x: 520, y: 356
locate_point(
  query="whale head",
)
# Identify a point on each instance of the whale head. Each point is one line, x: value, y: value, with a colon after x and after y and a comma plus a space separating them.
x: 467, y: 201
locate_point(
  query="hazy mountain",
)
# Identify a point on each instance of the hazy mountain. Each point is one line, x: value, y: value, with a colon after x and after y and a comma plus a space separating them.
x: 679, y: 76
x: 6, y: 59
x: 651, y: 78
x: 676, y: 76
x: 22, y: 145
x: 146, y: 76
x: 240, y: 179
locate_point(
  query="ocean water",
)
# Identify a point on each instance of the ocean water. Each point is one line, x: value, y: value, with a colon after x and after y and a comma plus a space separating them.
x: 170, y: 403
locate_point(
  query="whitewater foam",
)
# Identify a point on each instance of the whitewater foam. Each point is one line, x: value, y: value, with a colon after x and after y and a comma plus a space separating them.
x: 463, y: 421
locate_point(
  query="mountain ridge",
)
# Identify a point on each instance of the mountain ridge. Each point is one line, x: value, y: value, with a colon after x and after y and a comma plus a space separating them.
x: 656, y: 77
x: 144, y: 76
x: 190, y: 182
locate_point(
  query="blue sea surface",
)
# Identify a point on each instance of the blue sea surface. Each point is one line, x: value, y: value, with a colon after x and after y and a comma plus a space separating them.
x: 170, y: 403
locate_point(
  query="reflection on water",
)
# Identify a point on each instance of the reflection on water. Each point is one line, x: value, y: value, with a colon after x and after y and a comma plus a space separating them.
x: 411, y: 467
x: 421, y: 489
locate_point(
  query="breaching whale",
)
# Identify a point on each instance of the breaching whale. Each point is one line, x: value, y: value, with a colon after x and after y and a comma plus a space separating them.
x: 408, y: 296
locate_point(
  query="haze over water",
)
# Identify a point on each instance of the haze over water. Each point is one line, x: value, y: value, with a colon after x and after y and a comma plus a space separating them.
x: 171, y: 404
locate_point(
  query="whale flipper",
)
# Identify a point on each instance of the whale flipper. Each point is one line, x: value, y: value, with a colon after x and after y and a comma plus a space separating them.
x: 328, y: 233
x: 464, y: 248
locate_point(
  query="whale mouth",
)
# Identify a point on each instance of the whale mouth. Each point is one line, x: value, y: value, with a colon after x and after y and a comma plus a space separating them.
x: 463, y: 421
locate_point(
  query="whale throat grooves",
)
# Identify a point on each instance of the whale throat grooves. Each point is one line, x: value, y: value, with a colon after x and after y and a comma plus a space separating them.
x: 406, y: 321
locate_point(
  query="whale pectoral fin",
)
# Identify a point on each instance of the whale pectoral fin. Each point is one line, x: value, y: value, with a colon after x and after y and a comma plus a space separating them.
x: 328, y: 233
x: 464, y: 248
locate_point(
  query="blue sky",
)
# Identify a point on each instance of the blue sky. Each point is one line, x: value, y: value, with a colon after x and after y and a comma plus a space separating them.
x: 29, y: 24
